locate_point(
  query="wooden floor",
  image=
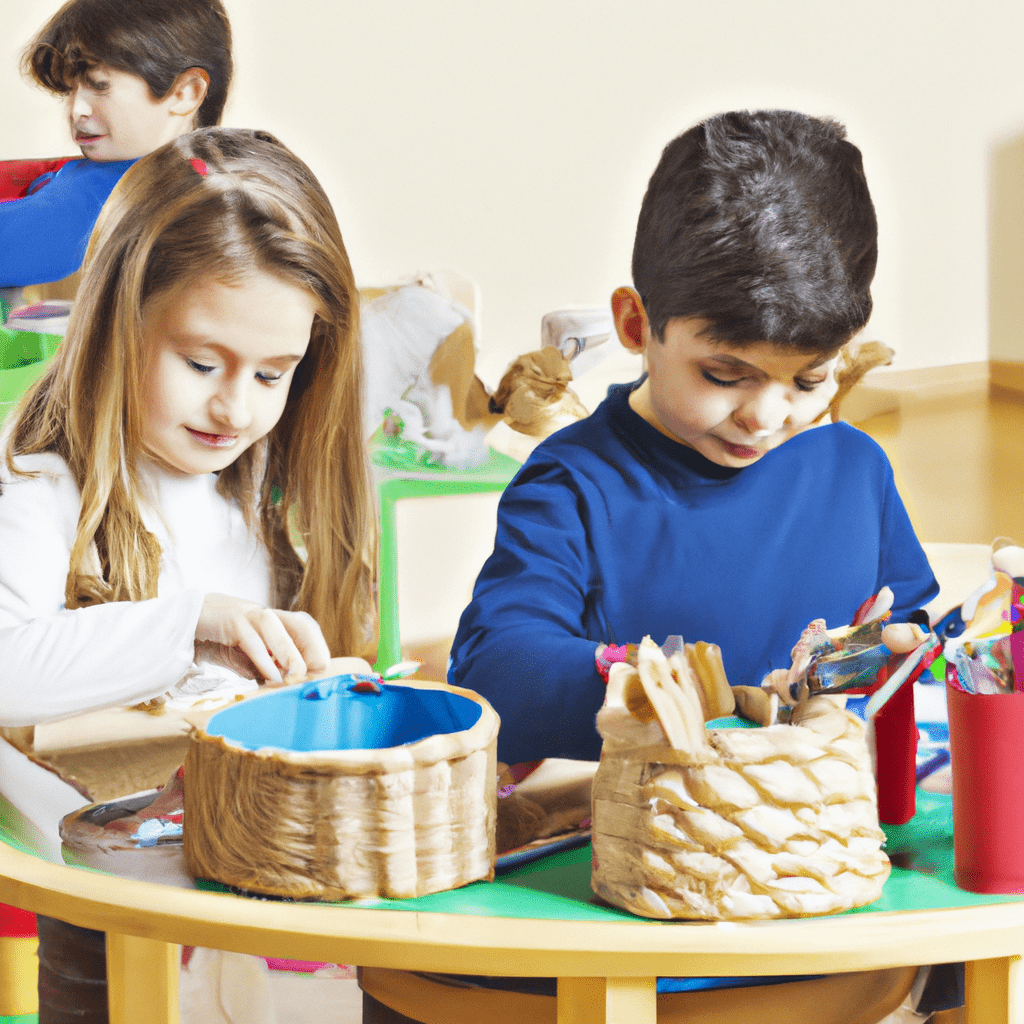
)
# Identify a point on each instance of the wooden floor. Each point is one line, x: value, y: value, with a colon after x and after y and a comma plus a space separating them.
x: 959, y: 464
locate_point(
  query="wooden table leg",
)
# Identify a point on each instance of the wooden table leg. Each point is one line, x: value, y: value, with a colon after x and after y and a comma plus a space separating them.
x: 993, y: 990
x: 142, y: 980
x: 607, y: 1000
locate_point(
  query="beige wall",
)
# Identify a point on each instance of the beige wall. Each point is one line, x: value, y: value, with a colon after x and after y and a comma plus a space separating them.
x: 1006, y: 249
x: 513, y: 140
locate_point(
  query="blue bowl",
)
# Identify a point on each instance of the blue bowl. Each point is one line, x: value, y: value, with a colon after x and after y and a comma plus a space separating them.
x: 298, y: 719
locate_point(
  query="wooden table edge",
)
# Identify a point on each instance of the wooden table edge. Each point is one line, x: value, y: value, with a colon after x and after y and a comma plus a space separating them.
x: 545, y: 948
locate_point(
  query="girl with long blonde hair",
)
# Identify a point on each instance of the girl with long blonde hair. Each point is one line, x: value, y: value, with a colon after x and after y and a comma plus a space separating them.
x: 188, y: 480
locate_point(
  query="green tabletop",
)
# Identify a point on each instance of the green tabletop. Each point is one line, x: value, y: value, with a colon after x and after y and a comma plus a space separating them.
x: 557, y: 887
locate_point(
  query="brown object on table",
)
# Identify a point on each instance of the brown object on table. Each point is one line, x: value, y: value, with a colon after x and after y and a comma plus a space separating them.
x: 519, y: 817
x: 756, y: 704
x: 108, y: 771
x: 110, y: 753
x: 716, y: 695
x: 735, y: 823
x: 340, y: 824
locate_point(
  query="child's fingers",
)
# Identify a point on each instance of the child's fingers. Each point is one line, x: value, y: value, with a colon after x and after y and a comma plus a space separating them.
x: 265, y: 651
x: 231, y: 623
x: 229, y: 657
x: 278, y: 642
x: 309, y: 639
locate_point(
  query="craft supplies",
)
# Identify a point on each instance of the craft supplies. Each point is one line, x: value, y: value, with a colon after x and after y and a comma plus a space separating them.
x: 987, y: 657
x: 729, y: 823
x: 903, y: 674
x: 984, y: 673
x: 344, y: 787
x: 985, y: 732
x: 874, y: 658
x: 136, y: 836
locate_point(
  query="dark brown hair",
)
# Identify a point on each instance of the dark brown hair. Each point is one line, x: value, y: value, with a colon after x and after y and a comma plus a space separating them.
x: 760, y: 223
x: 154, y: 39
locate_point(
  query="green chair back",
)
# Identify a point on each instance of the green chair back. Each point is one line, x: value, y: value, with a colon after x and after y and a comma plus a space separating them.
x: 23, y: 357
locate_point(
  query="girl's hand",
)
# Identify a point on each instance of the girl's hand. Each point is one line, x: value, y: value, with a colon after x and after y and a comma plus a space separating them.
x: 282, y: 646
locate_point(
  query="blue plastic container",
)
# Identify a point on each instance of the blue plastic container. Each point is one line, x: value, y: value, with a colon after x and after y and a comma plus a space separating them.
x: 345, y: 720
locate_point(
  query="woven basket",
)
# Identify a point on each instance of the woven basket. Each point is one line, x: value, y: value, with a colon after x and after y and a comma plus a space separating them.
x: 406, y: 819
x: 748, y: 824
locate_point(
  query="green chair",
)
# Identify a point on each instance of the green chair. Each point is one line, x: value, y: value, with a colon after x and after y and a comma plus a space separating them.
x: 23, y: 357
x: 401, y: 472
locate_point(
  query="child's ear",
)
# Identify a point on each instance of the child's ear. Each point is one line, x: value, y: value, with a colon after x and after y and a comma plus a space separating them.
x: 189, y: 91
x: 631, y: 323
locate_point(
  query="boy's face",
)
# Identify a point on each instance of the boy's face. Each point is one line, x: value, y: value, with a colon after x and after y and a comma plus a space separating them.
x: 731, y: 403
x: 114, y: 116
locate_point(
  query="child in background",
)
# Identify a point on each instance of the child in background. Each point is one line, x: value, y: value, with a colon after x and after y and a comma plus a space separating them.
x: 203, y: 411
x: 695, y: 501
x: 136, y: 74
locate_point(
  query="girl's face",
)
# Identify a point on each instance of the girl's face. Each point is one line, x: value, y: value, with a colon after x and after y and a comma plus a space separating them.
x: 219, y: 363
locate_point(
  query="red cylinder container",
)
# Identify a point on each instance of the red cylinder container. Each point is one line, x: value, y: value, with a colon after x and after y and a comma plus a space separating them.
x: 985, y: 733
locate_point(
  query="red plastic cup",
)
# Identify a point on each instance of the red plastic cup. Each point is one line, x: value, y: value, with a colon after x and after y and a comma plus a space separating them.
x: 985, y: 733
x: 896, y: 757
x: 896, y: 746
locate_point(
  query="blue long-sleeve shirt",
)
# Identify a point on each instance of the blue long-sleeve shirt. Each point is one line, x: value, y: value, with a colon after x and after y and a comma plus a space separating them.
x: 43, y: 236
x: 612, y: 531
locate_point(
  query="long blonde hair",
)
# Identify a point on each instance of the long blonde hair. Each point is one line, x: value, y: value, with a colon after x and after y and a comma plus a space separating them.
x: 215, y: 204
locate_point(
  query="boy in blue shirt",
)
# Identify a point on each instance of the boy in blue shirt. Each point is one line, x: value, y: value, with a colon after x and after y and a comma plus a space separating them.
x: 136, y: 74
x: 703, y: 500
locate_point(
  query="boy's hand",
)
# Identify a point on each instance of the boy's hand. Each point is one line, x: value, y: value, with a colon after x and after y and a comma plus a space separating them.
x: 607, y: 654
x: 282, y: 646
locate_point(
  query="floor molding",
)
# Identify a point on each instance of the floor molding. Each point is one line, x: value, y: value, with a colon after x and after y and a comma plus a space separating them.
x: 884, y: 391
x: 1006, y: 378
x: 937, y: 379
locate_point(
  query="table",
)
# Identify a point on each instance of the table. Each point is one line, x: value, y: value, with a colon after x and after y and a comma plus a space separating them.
x: 606, y: 960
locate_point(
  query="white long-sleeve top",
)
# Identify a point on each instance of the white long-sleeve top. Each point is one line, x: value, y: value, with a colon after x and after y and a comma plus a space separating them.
x: 55, y: 662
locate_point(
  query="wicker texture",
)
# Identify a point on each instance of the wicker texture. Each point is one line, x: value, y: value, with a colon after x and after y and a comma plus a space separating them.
x: 745, y: 824
x: 397, y: 823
